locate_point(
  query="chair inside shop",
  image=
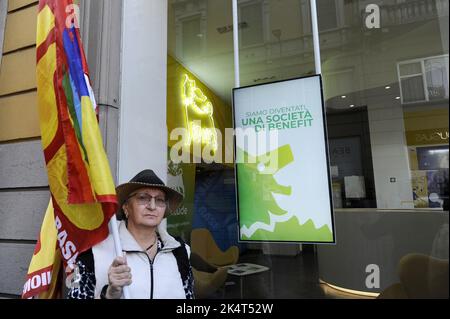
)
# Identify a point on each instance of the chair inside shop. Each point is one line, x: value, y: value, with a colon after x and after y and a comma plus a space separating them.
x: 421, y: 277
x: 208, y: 279
x: 204, y: 245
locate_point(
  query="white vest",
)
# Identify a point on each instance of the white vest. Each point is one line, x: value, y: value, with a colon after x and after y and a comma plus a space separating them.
x: 167, y: 283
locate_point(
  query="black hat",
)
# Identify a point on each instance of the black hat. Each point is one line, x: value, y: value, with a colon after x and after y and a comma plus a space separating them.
x: 147, y: 178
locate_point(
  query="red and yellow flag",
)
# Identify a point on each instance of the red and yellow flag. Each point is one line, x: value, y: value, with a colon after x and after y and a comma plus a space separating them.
x: 83, y: 197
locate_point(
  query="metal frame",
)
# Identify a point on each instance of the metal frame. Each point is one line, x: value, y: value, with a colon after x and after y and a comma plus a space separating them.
x: 422, y: 74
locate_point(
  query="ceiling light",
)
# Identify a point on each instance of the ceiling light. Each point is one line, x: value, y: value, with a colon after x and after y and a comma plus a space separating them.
x: 352, y: 105
x: 438, y: 151
x: 397, y: 97
x: 344, y: 96
x: 387, y: 87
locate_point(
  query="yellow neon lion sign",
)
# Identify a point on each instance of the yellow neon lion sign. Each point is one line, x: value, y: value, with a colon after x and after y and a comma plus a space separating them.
x: 198, y: 115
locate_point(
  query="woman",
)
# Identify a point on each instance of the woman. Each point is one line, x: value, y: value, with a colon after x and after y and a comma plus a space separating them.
x: 155, y: 265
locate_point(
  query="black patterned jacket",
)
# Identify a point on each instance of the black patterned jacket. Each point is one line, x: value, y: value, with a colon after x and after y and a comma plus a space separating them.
x: 83, y: 284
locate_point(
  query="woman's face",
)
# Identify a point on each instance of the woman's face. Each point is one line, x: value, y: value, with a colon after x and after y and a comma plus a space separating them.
x: 146, y: 207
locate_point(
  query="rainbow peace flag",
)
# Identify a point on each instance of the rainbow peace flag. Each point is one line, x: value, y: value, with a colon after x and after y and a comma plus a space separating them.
x: 83, y: 197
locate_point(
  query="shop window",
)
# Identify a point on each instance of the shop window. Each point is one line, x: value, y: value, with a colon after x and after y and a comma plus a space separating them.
x: 436, y: 74
x: 351, y: 163
x: 385, y: 157
x: 424, y: 80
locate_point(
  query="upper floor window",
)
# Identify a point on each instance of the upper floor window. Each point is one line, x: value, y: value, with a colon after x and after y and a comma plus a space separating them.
x: 190, y: 25
x: 327, y: 14
x: 192, y: 37
x: 251, y: 15
x: 424, y: 80
x: 330, y: 14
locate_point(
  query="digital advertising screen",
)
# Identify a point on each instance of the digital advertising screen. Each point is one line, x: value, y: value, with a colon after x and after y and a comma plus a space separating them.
x: 283, y: 181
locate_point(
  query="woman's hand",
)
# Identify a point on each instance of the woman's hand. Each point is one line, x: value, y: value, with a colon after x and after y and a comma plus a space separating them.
x: 119, y: 275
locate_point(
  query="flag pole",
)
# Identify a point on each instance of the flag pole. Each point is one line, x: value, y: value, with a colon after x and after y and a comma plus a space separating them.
x: 315, y: 33
x: 118, y: 248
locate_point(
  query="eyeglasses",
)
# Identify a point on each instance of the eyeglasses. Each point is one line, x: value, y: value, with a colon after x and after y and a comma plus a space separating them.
x: 145, y: 200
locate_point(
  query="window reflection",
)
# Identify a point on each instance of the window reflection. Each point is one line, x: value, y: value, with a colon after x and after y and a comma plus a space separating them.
x: 386, y: 93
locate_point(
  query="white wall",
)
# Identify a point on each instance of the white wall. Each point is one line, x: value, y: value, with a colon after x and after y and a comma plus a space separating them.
x: 142, y: 128
x: 389, y: 154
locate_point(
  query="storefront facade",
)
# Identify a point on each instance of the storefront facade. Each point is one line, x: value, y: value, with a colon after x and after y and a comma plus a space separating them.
x: 385, y: 69
x: 384, y: 66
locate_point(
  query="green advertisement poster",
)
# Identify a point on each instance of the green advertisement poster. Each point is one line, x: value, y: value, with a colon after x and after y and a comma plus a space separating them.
x: 282, y: 174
